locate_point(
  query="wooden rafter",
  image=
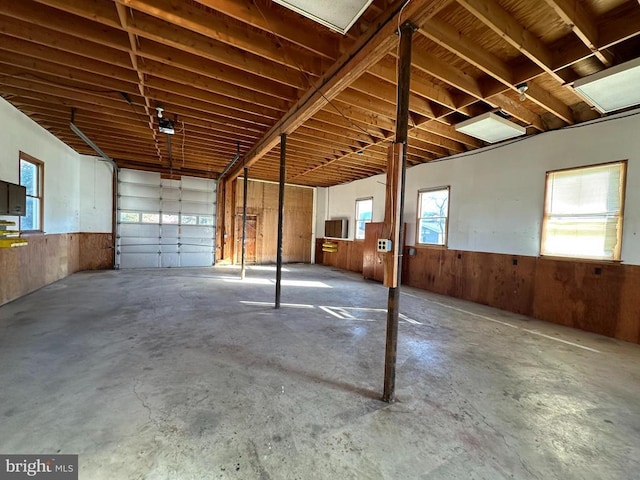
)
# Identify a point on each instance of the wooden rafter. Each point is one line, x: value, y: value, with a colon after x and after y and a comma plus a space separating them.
x: 366, y: 52
x: 582, y: 24
x: 122, y: 18
x: 241, y: 72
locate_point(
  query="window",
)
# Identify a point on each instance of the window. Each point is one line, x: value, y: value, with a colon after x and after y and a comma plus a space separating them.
x: 150, y: 218
x: 129, y: 217
x: 433, y: 212
x: 583, y: 212
x: 189, y: 219
x: 364, y: 214
x: 32, y: 178
x: 169, y: 219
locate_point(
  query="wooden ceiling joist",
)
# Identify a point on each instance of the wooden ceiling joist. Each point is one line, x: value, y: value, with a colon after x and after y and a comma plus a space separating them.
x: 367, y: 51
x: 241, y: 72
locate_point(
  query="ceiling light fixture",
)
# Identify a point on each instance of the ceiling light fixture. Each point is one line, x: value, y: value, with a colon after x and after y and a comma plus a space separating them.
x: 338, y: 16
x: 491, y: 128
x: 164, y: 124
x: 612, y: 89
x: 522, y: 90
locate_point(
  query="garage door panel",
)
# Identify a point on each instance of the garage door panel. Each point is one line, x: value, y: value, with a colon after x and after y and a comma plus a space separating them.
x: 170, y: 260
x: 195, y: 183
x: 170, y: 206
x: 136, y: 241
x: 196, y: 259
x: 198, y: 208
x: 193, y: 231
x: 127, y: 175
x: 139, y: 204
x: 170, y: 232
x: 170, y: 246
x: 197, y: 196
x: 140, y: 230
x: 165, y: 223
x: 150, y: 248
x: 140, y: 260
x: 135, y: 190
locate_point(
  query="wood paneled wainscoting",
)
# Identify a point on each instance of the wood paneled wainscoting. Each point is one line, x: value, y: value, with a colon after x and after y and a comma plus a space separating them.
x: 348, y: 256
x: 49, y: 258
x: 593, y: 296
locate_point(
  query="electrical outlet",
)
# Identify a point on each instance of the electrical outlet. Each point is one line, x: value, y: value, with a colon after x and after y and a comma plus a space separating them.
x: 384, y: 245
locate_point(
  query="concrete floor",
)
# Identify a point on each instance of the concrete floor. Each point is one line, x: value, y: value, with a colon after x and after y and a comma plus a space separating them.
x: 191, y: 374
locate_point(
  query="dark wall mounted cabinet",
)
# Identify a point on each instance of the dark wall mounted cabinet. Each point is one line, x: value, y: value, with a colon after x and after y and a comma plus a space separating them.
x: 13, y: 199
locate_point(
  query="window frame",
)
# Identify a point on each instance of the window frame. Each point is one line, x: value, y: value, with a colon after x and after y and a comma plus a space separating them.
x: 39, y: 164
x: 617, y: 253
x: 355, y: 231
x: 419, y: 217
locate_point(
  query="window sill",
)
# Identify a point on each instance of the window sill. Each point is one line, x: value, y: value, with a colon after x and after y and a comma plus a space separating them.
x: 32, y: 233
x: 579, y: 259
x: 430, y: 246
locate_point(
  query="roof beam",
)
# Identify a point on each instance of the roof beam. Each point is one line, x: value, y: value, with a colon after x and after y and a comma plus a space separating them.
x: 270, y: 20
x: 507, y: 27
x: 583, y: 25
x: 42, y: 52
x: 61, y: 41
x: 30, y: 11
x: 466, y: 48
x: 100, y: 11
x: 387, y: 71
x: 25, y: 66
x: 208, y: 68
x: 367, y: 51
x: 184, y: 40
x: 122, y: 16
x: 229, y: 32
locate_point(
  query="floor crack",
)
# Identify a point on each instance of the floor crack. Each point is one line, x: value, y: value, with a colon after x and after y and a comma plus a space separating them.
x: 142, y: 402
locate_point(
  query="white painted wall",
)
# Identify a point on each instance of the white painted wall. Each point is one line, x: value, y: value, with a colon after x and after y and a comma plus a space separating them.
x: 497, y: 194
x: 341, y: 201
x: 69, y: 178
x: 96, y: 197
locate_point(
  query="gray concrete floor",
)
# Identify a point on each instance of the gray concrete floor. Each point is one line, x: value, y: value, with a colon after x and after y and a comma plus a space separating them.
x: 191, y: 374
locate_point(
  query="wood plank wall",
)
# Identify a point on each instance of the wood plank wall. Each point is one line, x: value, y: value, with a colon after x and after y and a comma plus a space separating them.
x: 592, y: 296
x: 348, y: 257
x: 49, y: 258
x: 262, y: 201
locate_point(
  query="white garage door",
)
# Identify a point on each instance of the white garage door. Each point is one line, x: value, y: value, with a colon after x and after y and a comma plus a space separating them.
x: 165, y: 223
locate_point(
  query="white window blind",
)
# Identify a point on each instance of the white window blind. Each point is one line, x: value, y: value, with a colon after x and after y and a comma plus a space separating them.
x: 583, y: 212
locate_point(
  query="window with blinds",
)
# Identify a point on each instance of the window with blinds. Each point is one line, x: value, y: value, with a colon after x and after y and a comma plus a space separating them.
x: 583, y: 212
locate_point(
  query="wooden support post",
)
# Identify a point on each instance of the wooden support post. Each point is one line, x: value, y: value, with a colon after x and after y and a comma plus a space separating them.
x: 244, y: 222
x: 283, y: 156
x: 395, y: 208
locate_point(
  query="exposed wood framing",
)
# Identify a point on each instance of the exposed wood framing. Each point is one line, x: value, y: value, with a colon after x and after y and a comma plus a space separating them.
x: 245, y: 71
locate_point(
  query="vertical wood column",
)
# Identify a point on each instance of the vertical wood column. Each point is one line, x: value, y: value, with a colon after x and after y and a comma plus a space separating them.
x: 395, y: 208
x: 283, y: 156
x: 244, y: 222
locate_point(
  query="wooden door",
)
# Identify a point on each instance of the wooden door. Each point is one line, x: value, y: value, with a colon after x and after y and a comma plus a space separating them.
x: 250, y: 242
